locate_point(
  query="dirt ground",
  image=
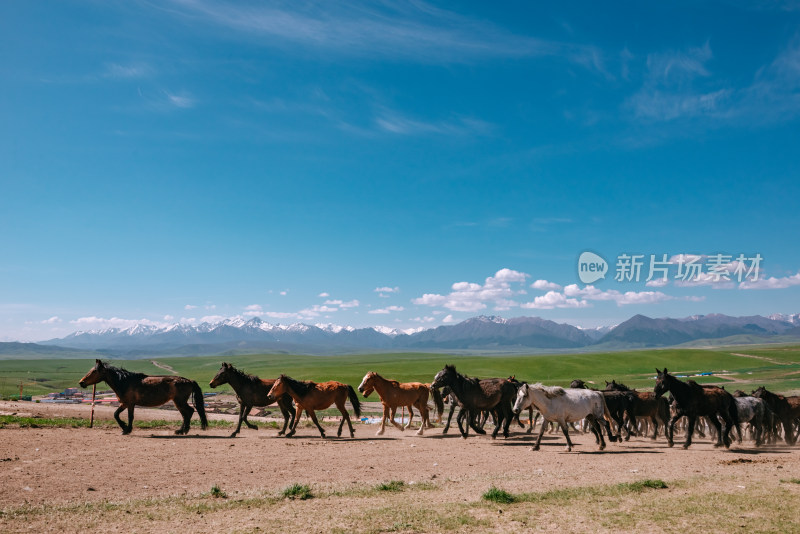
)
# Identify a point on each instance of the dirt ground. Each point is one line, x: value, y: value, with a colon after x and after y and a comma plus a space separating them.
x: 68, y: 467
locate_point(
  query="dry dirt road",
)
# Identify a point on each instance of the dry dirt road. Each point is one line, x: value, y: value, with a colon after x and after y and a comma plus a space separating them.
x: 71, y: 479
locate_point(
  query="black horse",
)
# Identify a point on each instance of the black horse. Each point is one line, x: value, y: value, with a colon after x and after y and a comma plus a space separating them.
x: 252, y: 391
x: 693, y: 401
x: 138, y: 388
x: 786, y: 410
x: 620, y: 406
x: 478, y: 395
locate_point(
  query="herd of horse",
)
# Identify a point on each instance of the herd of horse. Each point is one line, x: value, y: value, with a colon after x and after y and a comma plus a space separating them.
x: 615, y: 410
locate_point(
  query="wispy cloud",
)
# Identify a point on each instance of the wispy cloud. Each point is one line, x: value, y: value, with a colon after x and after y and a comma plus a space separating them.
x: 387, y: 310
x: 127, y: 71
x: 772, y: 282
x: 414, y: 31
x: 394, y: 122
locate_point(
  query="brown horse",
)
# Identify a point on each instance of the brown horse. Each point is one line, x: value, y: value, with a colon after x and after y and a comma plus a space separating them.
x: 394, y: 394
x: 310, y: 396
x: 138, y: 388
x: 252, y: 391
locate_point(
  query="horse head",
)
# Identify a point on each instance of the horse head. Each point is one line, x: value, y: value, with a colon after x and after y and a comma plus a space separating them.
x: 519, y: 400
x: 579, y: 384
x: 368, y: 384
x: 94, y: 375
x: 662, y: 382
x: 279, y: 388
x: 222, y: 375
x: 444, y: 377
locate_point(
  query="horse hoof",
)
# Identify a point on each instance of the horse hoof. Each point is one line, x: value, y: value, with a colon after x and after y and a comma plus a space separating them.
x: 535, y: 448
x: 685, y: 447
x: 126, y: 432
x: 232, y: 435
x: 602, y: 447
x: 569, y: 449
x: 419, y: 432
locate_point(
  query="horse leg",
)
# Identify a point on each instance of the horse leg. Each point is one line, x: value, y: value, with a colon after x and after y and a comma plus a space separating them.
x: 460, y: 419
x: 692, y: 419
x: 130, y: 419
x: 186, y: 412
x: 391, y: 419
x: 714, y: 422
x: 125, y: 429
x: 241, y: 417
x: 248, y: 423
x: 449, y: 417
x: 410, y: 417
x: 541, y: 433
x: 423, y: 413
x: 474, y: 420
x: 566, y: 435
x: 531, y: 420
x: 313, y: 417
x: 384, y: 416
x: 287, y: 412
x: 297, y: 413
x: 594, y: 423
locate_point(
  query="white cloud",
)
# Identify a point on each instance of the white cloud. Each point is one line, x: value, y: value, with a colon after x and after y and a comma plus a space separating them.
x: 388, y: 309
x: 772, y: 282
x: 386, y: 289
x: 253, y: 310
x: 472, y: 297
x: 622, y: 299
x: 283, y: 315
x: 657, y: 282
x: 189, y: 307
x: 183, y: 100
x: 324, y: 295
x: 52, y: 320
x: 423, y: 320
x: 169, y: 318
x: 284, y: 293
x: 554, y: 299
x: 544, y: 285
x: 212, y: 318
x: 448, y: 319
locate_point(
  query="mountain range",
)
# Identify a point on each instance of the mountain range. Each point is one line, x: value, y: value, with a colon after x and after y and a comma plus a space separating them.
x: 482, y: 333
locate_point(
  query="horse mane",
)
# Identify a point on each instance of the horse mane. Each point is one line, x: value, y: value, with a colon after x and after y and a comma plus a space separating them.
x: 241, y: 374
x: 471, y: 380
x: 301, y: 387
x: 123, y: 375
x: 551, y: 392
x: 621, y: 386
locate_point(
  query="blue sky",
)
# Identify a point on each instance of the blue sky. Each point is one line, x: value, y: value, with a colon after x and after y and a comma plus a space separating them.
x: 407, y: 164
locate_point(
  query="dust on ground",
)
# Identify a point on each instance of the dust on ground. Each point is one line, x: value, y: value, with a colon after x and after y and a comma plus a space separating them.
x: 71, y: 466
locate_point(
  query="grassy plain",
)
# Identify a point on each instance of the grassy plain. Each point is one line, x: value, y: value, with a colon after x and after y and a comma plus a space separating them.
x: 739, y: 367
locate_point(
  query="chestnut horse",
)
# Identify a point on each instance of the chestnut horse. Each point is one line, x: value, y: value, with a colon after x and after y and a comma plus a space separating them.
x: 138, y: 388
x: 394, y: 394
x: 310, y: 396
x: 252, y: 391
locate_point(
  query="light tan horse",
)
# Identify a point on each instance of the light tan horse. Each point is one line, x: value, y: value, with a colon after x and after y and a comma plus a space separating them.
x: 310, y: 396
x: 394, y: 394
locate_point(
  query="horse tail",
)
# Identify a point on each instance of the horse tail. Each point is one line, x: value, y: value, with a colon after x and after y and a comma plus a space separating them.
x: 200, y: 404
x: 438, y: 401
x: 609, y: 420
x: 351, y: 394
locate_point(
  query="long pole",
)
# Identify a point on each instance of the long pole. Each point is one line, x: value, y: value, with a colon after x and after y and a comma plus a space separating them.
x: 91, y: 418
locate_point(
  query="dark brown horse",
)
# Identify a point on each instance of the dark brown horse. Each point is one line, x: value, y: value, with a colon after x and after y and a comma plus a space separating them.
x: 252, y: 391
x: 478, y: 395
x: 310, y: 396
x: 138, y: 388
x: 646, y: 404
x: 693, y: 401
x: 786, y: 409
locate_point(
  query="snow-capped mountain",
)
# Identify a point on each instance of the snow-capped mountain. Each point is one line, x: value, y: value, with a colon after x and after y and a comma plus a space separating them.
x: 476, y: 333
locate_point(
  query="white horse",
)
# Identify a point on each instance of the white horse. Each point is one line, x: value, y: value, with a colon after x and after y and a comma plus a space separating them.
x: 751, y: 410
x: 565, y: 406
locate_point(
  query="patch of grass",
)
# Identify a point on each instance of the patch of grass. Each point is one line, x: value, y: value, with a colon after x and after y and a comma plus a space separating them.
x: 392, y: 485
x: 790, y: 480
x: 298, y: 492
x: 80, y: 422
x: 218, y: 492
x: 499, y: 496
x: 642, y: 485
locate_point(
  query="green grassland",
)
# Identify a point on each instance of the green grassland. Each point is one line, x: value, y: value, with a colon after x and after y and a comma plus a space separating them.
x: 738, y: 367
